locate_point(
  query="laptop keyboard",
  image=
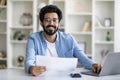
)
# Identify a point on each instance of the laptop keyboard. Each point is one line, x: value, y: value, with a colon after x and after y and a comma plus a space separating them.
x: 91, y: 73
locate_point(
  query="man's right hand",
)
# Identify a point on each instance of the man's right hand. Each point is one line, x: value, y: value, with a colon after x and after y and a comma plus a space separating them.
x: 37, y: 70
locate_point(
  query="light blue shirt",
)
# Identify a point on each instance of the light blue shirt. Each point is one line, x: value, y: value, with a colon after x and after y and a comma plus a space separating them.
x: 66, y: 46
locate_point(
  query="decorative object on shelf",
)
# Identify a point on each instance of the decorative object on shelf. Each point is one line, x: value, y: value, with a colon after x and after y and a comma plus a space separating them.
x: 82, y: 46
x: 3, y: 66
x: 21, y: 37
x: 62, y: 29
x: 107, y: 22
x: 18, y: 36
x: 30, y: 31
x: 2, y: 54
x: 20, y: 60
x: 108, y: 36
x: 26, y: 19
x: 87, y: 26
x: 98, y: 21
x: 103, y: 53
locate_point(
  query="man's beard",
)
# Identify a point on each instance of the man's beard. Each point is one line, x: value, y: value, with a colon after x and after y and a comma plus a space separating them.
x: 48, y: 31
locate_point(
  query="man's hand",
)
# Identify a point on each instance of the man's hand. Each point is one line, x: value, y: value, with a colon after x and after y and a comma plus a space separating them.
x: 96, y: 68
x: 37, y: 70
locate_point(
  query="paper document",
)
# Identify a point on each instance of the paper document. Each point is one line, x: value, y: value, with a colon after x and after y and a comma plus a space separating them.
x: 56, y: 63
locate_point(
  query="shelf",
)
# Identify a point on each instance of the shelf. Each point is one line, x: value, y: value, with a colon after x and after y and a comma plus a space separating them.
x: 22, y: 0
x: 3, y: 59
x: 57, y: 0
x: 22, y: 27
x: 104, y: 28
x: 82, y: 14
x: 3, y: 6
x: 104, y: 0
x: 19, y: 42
x: 81, y: 33
x: 4, y: 21
x: 16, y: 67
x: 3, y: 33
x: 104, y: 42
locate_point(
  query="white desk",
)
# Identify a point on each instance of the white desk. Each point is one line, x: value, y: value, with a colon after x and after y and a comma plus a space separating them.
x: 18, y: 74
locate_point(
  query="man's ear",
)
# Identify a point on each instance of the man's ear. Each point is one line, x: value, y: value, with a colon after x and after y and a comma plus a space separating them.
x: 59, y: 25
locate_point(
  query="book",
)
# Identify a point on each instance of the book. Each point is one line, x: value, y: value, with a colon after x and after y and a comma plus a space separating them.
x: 87, y: 26
x: 2, y: 2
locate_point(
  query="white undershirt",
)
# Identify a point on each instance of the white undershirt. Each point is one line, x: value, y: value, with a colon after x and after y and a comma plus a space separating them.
x: 51, y: 50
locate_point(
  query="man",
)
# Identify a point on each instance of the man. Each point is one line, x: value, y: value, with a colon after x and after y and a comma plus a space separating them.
x: 54, y: 43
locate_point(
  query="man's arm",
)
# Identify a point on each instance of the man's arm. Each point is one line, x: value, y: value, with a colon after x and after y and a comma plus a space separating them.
x: 30, y: 54
x: 84, y: 60
x: 30, y: 62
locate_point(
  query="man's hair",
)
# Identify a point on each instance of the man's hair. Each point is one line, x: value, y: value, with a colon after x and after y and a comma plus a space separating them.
x: 50, y: 9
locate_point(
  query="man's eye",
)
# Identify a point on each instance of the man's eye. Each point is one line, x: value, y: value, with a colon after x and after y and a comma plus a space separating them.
x: 49, y: 20
x: 55, y: 20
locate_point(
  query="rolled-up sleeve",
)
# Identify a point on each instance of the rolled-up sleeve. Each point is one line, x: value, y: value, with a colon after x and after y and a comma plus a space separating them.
x: 30, y: 54
x: 82, y: 57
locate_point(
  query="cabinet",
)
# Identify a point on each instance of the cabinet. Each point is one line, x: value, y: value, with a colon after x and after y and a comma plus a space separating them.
x: 3, y: 34
x: 88, y: 21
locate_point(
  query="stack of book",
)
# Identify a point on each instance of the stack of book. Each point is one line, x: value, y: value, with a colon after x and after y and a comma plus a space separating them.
x: 3, y: 2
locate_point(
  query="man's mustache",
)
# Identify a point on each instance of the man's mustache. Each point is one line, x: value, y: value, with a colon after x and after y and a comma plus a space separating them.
x: 51, y: 26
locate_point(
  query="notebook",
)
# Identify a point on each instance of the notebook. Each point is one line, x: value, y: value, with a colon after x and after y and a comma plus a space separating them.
x: 111, y: 66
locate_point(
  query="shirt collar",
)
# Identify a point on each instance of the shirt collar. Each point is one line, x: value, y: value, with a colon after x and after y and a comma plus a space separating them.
x: 43, y: 37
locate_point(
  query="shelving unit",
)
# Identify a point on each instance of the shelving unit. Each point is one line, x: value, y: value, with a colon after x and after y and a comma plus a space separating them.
x: 77, y: 16
x: 85, y: 23
x: 16, y: 44
x: 3, y: 35
x: 101, y: 45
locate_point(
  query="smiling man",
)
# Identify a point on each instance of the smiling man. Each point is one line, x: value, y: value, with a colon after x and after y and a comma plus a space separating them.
x: 54, y: 43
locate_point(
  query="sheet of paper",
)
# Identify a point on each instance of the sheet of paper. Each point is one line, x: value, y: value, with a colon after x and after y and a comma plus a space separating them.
x: 56, y: 63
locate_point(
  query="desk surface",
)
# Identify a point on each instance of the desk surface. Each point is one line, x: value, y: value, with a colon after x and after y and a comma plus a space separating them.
x: 19, y: 74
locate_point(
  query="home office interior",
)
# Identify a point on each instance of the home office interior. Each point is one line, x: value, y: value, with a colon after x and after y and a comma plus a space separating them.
x: 93, y: 23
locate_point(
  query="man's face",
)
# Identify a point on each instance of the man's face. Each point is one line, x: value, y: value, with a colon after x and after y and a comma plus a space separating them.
x: 50, y: 23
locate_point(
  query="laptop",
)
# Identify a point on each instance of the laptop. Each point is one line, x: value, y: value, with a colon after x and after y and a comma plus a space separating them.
x: 111, y: 66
